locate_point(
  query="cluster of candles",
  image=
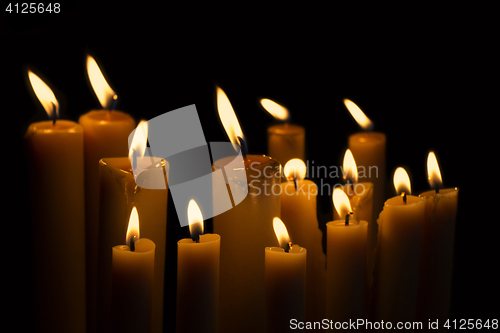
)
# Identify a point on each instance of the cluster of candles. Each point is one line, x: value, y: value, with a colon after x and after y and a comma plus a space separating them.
x: 395, y: 266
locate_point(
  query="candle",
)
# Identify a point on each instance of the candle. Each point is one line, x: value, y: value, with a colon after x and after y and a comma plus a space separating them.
x: 198, y: 262
x: 105, y: 135
x: 55, y: 151
x: 285, y: 276
x: 284, y: 141
x: 246, y: 230
x: 298, y: 209
x: 436, y: 262
x: 118, y: 193
x: 368, y: 148
x: 398, y: 253
x: 346, y: 263
x: 132, y: 281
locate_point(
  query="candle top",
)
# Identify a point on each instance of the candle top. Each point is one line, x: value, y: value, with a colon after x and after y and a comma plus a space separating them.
x: 286, y: 128
x: 48, y: 126
x: 368, y: 138
x: 205, y: 238
x: 295, y: 249
x: 443, y: 192
x: 398, y: 200
x: 352, y: 224
x: 142, y: 245
x: 104, y: 116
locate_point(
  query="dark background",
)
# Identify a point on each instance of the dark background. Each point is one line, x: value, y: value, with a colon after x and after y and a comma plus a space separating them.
x: 426, y: 79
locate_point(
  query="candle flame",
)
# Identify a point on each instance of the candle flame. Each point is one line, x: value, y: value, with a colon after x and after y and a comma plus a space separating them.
x: 281, y: 232
x: 139, y: 143
x: 133, y: 227
x: 350, y: 168
x: 103, y: 91
x: 433, y: 172
x: 228, y: 117
x: 402, y: 181
x: 276, y: 110
x: 358, y: 115
x: 295, y: 169
x: 195, y: 219
x: 45, y: 95
x: 341, y: 202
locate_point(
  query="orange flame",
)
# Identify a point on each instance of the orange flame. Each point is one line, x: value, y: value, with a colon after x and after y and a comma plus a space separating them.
x: 358, y: 115
x: 45, y: 95
x: 402, y: 181
x: 276, y: 110
x: 104, y: 93
x: 433, y: 172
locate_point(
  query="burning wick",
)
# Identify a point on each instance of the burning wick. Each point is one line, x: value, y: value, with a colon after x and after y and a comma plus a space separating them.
x: 54, y: 113
x: 288, y: 246
x: 113, y: 105
x: 347, y: 218
x: 243, y: 146
x: 196, y: 231
x: 403, y: 195
x: 132, y: 243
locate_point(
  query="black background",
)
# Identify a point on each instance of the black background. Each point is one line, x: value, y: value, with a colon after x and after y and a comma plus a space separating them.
x: 425, y: 76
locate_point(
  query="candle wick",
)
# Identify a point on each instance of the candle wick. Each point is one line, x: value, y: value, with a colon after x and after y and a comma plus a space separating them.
x: 132, y: 243
x: 437, y: 189
x: 134, y: 159
x: 295, y: 183
x: 288, y: 246
x: 113, y: 105
x: 347, y: 218
x: 403, y: 194
x: 54, y: 113
x: 243, y: 146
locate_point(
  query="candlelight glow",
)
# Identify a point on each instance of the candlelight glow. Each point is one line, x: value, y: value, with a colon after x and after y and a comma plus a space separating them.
x: 195, y: 220
x: 276, y: 110
x: 228, y: 117
x: 295, y: 169
x: 139, y: 143
x: 104, y: 93
x: 433, y: 172
x: 402, y: 181
x: 44, y: 95
x: 350, y: 168
x: 281, y: 232
x: 358, y: 115
x: 341, y: 202
x: 133, y: 227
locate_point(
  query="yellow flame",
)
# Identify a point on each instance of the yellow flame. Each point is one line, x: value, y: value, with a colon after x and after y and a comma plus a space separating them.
x: 133, y: 227
x: 433, y: 172
x: 139, y: 141
x: 358, y: 115
x: 276, y: 110
x: 281, y: 232
x: 295, y: 169
x: 101, y: 87
x: 341, y: 202
x: 228, y: 117
x: 45, y: 95
x: 350, y: 168
x: 402, y: 181
x: 195, y: 218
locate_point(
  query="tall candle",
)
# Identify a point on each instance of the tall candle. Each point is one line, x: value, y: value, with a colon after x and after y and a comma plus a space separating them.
x: 105, y: 135
x: 298, y: 209
x: 285, y: 280
x: 119, y: 193
x: 368, y: 149
x: 436, y: 264
x: 55, y: 152
x: 398, y: 253
x: 132, y: 281
x: 284, y: 141
x: 346, y: 264
x: 246, y: 230
x: 198, y: 265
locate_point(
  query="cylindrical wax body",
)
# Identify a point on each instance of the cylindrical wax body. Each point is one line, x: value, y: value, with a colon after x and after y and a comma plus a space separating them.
x: 132, y: 287
x: 346, y: 270
x: 198, y: 266
x: 57, y: 195
x: 285, y: 280
x: 247, y: 229
x: 298, y: 210
x: 119, y: 194
x: 286, y: 141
